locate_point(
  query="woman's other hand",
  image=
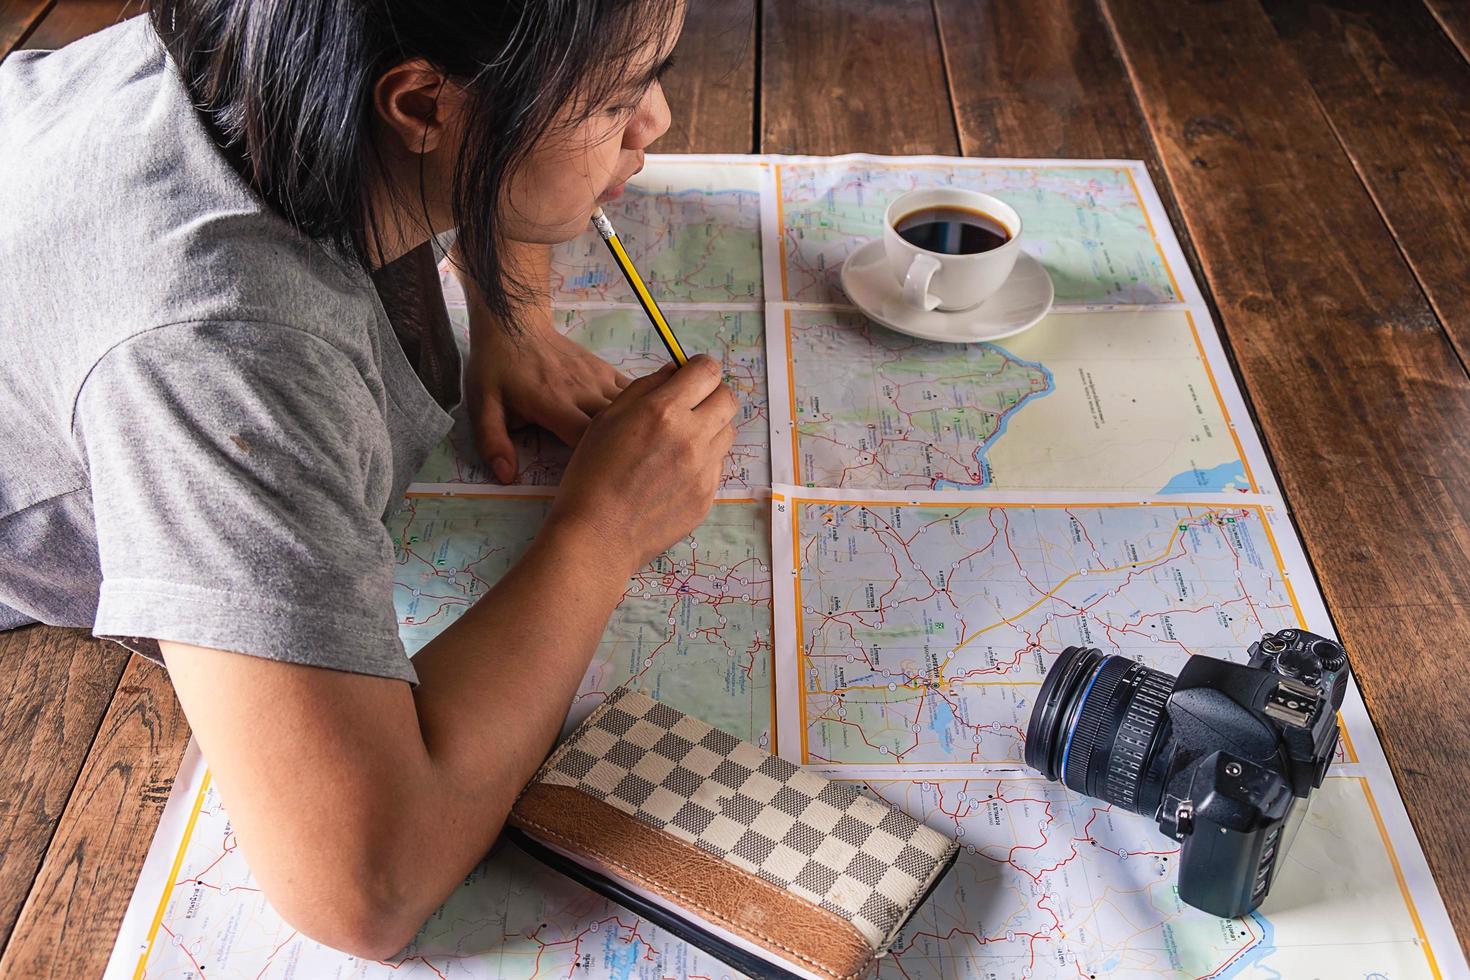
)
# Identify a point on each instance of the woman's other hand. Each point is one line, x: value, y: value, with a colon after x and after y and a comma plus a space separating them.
x: 536, y: 376
x: 528, y: 374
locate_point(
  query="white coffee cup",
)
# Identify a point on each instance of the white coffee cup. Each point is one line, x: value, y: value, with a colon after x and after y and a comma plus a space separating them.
x: 937, y: 280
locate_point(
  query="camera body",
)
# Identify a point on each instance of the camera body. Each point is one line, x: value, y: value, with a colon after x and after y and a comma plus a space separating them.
x: 1224, y: 756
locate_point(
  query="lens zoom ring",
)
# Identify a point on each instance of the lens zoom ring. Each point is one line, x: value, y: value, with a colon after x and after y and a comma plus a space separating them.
x: 1135, y: 736
x: 1095, y: 708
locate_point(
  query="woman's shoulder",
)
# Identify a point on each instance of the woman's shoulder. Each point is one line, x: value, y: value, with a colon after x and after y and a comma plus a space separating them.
x: 119, y: 212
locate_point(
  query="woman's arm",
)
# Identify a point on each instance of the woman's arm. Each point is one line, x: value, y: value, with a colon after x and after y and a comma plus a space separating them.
x: 360, y: 803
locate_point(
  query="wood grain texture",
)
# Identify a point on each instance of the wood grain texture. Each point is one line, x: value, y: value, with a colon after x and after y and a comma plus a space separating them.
x: 71, y: 19
x: 53, y: 694
x: 17, y: 18
x: 846, y: 76
x: 1397, y: 93
x: 70, y: 921
x: 1361, y: 395
x: 1038, y: 80
x: 1454, y: 19
x: 711, y: 88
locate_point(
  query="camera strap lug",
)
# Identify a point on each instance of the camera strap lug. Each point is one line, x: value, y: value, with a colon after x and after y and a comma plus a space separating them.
x: 1176, y: 817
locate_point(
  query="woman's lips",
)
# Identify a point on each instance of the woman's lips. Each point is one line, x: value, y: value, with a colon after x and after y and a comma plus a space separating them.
x: 615, y: 190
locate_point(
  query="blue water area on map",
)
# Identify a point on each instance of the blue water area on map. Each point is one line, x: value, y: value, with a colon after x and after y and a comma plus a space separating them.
x: 944, y: 723
x: 620, y: 958
x: 1226, y: 476
x: 986, y: 478
x: 591, y: 278
x: 1252, y: 957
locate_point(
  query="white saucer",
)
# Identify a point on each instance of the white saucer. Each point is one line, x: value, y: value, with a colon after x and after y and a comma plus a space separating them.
x: 1025, y: 298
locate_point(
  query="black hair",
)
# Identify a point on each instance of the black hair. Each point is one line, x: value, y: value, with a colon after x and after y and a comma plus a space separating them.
x: 287, y: 88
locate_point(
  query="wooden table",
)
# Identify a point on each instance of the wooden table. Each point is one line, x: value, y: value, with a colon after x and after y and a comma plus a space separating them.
x: 1315, y: 159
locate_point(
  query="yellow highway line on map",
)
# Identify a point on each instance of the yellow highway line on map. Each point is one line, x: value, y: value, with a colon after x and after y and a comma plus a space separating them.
x: 1048, y: 595
x: 985, y: 629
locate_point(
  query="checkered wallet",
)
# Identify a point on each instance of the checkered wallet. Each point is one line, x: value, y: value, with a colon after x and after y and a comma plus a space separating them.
x: 777, y: 871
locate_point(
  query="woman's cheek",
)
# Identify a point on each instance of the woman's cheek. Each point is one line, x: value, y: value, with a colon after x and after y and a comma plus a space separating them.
x: 557, y: 188
x: 548, y: 204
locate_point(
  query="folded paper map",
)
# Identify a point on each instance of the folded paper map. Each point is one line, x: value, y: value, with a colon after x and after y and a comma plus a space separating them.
x: 907, y: 536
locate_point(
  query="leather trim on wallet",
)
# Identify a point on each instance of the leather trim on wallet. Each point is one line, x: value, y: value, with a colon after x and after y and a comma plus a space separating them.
x: 731, y: 897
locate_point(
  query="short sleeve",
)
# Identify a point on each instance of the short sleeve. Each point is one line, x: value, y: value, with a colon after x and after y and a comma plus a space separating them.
x: 240, y: 472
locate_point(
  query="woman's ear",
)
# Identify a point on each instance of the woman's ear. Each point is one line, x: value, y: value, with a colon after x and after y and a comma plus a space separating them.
x: 417, y: 104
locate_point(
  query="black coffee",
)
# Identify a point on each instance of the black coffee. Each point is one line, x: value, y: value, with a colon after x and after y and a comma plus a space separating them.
x: 952, y: 230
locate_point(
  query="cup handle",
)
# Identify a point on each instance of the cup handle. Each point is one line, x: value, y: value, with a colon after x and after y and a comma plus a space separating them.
x: 916, y: 283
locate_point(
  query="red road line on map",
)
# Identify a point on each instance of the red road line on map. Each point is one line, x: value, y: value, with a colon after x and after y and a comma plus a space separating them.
x: 199, y: 970
x: 269, y: 959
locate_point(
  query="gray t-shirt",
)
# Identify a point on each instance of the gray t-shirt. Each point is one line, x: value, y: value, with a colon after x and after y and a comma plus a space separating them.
x: 204, y: 416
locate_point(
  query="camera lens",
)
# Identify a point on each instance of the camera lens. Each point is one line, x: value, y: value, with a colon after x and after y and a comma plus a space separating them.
x: 1096, y: 724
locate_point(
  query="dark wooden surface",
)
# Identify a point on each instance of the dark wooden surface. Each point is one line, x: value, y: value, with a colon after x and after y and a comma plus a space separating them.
x: 1313, y: 157
x: 75, y: 906
x: 1454, y: 18
x: 1397, y: 95
x: 56, y: 687
x: 18, y: 18
x: 71, y: 19
x: 842, y: 76
x: 711, y: 88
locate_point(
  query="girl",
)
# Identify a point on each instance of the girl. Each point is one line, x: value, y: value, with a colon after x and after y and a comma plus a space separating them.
x: 222, y: 356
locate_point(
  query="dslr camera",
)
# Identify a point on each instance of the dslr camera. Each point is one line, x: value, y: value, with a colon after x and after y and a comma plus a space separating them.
x: 1224, y: 756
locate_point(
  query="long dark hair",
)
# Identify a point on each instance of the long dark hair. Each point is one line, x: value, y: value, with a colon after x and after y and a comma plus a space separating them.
x: 286, y: 86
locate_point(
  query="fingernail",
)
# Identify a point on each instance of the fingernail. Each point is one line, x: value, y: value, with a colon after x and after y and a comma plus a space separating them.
x: 504, y: 471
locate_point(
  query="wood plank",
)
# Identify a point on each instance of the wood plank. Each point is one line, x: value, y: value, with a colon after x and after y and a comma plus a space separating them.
x: 17, y: 17
x: 53, y: 694
x: 1038, y: 80
x: 70, y: 921
x: 711, y: 88
x: 1397, y: 93
x: 71, y: 19
x: 1454, y: 19
x: 1361, y: 396
x: 843, y: 76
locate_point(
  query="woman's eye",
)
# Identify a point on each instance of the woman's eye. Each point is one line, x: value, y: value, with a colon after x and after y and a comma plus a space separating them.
x: 622, y: 110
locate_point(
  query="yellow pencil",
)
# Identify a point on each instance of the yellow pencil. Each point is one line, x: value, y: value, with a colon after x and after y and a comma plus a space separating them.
x: 645, y: 298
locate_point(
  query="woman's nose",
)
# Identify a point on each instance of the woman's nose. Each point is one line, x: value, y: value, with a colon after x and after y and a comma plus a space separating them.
x: 651, y: 121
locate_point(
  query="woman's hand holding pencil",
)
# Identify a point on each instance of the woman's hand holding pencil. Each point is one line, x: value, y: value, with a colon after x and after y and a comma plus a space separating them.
x: 647, y: 468
x: 646, y: 471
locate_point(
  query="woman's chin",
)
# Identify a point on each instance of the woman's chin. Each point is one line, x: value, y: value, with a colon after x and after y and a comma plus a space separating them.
x: 560, y: 230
